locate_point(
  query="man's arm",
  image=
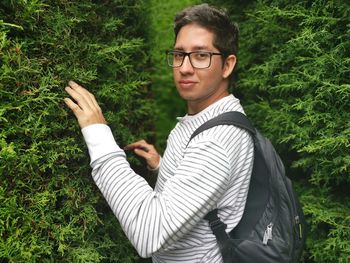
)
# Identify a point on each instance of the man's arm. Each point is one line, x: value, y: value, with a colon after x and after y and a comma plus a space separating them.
x: 154, y: 220
x: 88, y: 112
x: 151, y: 220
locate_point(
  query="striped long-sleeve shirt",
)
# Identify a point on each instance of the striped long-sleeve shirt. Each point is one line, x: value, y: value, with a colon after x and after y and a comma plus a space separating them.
x: 167, y: 223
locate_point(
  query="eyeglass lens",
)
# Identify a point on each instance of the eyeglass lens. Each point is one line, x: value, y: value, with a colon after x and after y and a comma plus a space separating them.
x: 198, y: 59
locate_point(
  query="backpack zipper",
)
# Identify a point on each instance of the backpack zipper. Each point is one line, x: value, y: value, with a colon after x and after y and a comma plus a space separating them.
x: 268, y: 234
x: 297, y: 224
x: 298, y: 230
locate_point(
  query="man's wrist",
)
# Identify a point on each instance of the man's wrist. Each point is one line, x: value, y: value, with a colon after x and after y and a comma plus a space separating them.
x: 155, y: 169
x: 99, y: 140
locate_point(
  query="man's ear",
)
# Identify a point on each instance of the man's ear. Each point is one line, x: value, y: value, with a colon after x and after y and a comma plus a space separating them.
x: 229, y: 65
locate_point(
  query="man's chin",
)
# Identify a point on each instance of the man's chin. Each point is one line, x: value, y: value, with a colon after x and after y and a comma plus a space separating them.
x: 187, y: 95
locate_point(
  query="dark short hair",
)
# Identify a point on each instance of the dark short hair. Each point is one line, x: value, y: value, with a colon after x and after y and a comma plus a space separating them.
x: 216, y: 21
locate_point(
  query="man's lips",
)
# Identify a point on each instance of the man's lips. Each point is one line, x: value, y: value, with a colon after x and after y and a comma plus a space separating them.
x: 187, y: 83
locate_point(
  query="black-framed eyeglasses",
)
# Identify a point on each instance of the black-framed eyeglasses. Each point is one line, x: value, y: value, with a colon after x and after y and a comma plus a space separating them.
x: 198, y: 59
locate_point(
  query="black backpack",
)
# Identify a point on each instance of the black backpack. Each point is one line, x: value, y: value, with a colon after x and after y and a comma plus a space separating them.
x: 272, y: 228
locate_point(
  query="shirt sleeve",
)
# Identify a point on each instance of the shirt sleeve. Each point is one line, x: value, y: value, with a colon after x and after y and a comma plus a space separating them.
x: 100, y: 141
x: 152, y: 220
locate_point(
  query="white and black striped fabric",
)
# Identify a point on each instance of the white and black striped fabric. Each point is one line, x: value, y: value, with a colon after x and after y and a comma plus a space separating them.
x: 167, y: 222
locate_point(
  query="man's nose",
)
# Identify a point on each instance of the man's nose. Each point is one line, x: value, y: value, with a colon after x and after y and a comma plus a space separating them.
x: 186, y: 66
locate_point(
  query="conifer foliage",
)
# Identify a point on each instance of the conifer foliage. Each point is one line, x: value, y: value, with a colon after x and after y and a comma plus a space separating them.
x: 293, y: 79
x: 50, y: 210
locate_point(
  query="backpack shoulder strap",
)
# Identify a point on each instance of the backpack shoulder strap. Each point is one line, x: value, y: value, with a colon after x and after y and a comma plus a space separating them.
x: 258, y: 192
x: 217, y: 226
x: 228, y: 118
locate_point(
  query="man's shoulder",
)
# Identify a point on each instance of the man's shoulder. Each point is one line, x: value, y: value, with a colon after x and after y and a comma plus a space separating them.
x: 223, y: 134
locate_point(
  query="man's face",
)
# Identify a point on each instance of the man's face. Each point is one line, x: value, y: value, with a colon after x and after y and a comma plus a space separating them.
x: 199, y: 87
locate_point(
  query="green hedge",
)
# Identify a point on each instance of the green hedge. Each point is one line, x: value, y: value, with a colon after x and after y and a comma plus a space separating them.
x: 293, y: 79
x: 50, y: 209
x: 161, y: 38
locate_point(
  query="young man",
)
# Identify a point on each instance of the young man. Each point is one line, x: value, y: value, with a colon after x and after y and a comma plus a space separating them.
x: 211, y: 171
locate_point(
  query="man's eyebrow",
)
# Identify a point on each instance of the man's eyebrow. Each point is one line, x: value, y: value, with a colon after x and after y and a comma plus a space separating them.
x: 201, y: 48
x: 196, y: 48
x: 178, y: 49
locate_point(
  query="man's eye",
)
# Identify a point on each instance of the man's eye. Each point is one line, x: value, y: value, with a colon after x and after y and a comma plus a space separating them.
x: 178, y: 55
x: 201, y: 55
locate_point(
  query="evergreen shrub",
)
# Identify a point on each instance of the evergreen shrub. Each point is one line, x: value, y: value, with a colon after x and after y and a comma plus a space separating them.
x: 50, y: 209
x: 161, y: 38
x: 293, y: 80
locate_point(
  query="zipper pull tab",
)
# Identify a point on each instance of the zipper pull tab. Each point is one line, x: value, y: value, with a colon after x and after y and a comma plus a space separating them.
x: 268, y: 234
x: 299, y: 228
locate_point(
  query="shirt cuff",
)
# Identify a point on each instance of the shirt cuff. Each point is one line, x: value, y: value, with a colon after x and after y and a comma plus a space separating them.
x: 99, y: 140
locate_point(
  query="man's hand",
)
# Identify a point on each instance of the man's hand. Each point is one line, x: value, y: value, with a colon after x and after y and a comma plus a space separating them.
x: 146, y: 151
x: 85, y: 107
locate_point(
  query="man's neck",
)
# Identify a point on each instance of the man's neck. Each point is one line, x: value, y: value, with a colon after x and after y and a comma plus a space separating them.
x: 194, y: 107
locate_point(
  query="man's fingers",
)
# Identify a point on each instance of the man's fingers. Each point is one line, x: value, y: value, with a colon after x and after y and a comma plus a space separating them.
x: 152, y: 158
x: 73, y: 106
x: 142, y: 153
x: 145, y: 150
x: 139, y: 144
x: 83, y: 105
x: 78, y: 97
x: 85, y: 94
x: 74, y: 85
x: 80, y: 90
